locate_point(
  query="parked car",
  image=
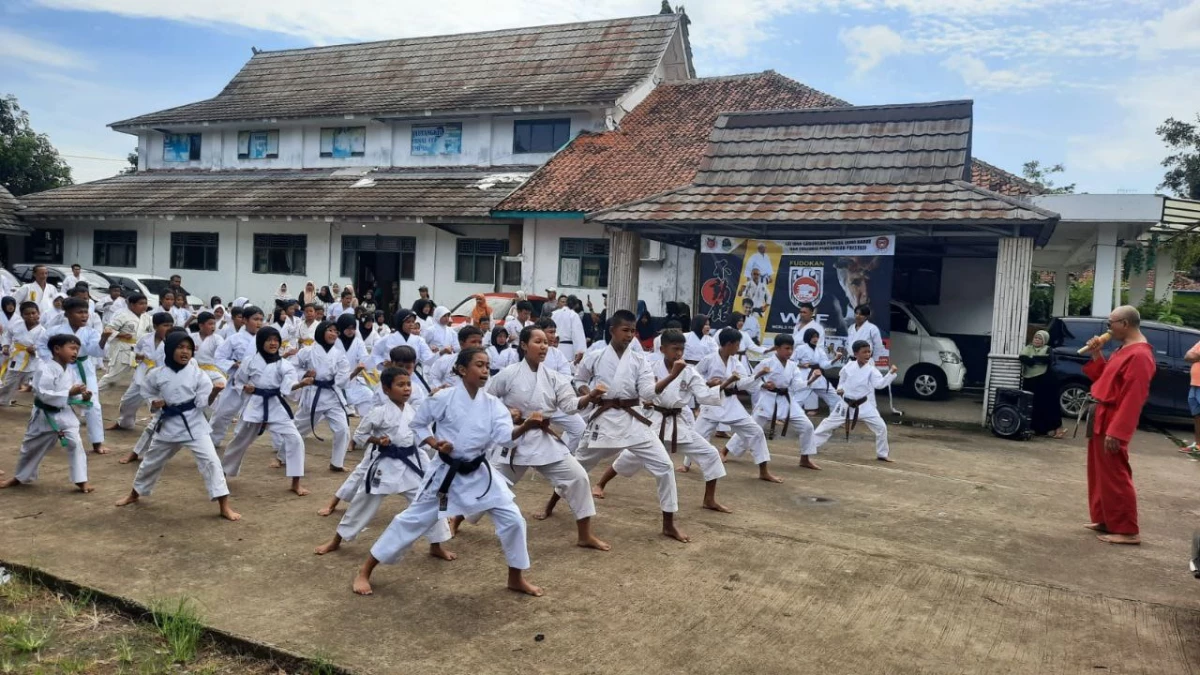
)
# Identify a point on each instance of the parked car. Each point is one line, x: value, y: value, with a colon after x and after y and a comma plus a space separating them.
x: 10, y: 280
x: 150, y: 286
x: 1168, y: 389
x: 498, y: 303
x: 98, y: 282
x: 930, y: 366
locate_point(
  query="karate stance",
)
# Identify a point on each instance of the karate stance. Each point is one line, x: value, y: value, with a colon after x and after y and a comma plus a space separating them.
x: 856, y: 386
x: 91, y: 351
x: 22, y: 338
x: 180, y: 393
x: 128, y: 326
x: 469, y: 422
x: 149, y: 354
x: 781, y: 398
x: 55, y: 390
x: 330, y: 372
x: 236, y: 350
x: 394, y: 466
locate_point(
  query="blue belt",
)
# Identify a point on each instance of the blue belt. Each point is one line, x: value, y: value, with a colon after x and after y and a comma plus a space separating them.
x: 267, y: 395
x: 395, y: 452
x: 312, y: 410
x: 176, y: 411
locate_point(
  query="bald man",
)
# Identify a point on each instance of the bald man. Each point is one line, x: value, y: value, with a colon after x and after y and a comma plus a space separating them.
x: 1120, y: 385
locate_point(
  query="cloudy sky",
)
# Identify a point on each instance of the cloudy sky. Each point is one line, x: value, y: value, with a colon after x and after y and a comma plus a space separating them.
x: 1081, y: 82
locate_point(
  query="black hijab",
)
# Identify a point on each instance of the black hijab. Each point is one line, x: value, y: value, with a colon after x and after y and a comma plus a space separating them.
x: 399, y: 319
x: 320, y: 336
x: 366, y: 326
x: 423, y: 308
x: 698, y: 322
x: 260, y: 339
x: 171, y: 342
x: 345, y: 322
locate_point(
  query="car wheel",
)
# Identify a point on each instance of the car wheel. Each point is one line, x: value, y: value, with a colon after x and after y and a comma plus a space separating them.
x: 926, y: 383
x: 1071, y: 398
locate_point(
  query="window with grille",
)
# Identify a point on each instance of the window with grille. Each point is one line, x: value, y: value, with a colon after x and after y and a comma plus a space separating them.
x: 114, y: 248
x: 406, y: 247
x: 258, y: 144
x: 583, y: 263
x: 540, y: 135
x: 181, y: 147
x: 476, y: 260
x: 280, y: 253
x: 194, y: 250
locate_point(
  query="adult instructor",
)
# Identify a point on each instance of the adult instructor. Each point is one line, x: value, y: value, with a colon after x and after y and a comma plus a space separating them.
x: 1120, y: 385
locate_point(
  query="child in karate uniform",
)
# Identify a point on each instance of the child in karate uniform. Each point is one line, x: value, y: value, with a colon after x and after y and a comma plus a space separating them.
x: 812, y: 355
x: 128, y: 326
x: 358, y: 395
x: 179, y: 391
x: 781, y: 398
x: 442, y: 372
x: 55, y: 390
x: 856, y: 386
x: 236, y: 350
x: 725, y: 370
x: 91, y: 351
x: 330, y: 372
x: 265, y: 379
x: 22, y: 337
x: 677, y: 386
x: 149, y: 354
x: 207, y: 342
x: 459, y: 482
x: 394, y: 465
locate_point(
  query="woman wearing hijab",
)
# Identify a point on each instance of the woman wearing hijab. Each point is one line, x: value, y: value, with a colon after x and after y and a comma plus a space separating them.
x: 325, y: 295
x: 331, y: 373
x: 406, y: 331
x: 265, y: 379
x: 645, y: 326
x: 698, y: 342
x: 180, y: 393
x: 497, y: 344
x: 480, y: 311
x: 423, y: 308
x: 282, y: 296
x: 8, y: 309
x: 353, y: 295
x: 366, y: 331
x: 358, y: 392
x: 1040, y: 380
x: 381, y: 327
x: 440, y: 337
x: 309, y: 294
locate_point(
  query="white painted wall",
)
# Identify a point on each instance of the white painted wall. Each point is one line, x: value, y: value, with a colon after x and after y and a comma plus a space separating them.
x: 968, y: 290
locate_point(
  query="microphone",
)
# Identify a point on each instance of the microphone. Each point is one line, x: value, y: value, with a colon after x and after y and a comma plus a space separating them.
x: 1103, y: 338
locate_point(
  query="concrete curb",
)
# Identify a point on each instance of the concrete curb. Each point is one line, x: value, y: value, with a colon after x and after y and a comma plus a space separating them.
x: 932, y: 423
x: 138, y: 612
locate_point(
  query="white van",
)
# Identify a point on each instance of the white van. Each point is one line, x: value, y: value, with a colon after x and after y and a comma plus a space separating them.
x: 930, y: 366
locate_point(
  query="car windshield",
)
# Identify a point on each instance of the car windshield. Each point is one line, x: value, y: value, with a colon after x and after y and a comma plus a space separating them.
x: 497, y: 306
x: 157, y: 286
x: 95, y: 281
x: 916, y: 313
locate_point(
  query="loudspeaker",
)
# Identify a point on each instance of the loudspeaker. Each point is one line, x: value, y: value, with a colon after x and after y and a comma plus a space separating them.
x: 1012, y: 414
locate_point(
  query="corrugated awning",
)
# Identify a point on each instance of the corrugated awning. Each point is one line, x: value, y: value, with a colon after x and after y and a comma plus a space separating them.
x: 1179, y: 216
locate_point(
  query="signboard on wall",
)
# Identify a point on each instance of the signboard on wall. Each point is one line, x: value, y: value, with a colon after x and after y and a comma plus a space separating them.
x: 768, y: 281
x: 437, y: 139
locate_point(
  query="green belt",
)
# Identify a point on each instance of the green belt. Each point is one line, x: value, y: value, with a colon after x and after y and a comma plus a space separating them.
x: 48, y: 411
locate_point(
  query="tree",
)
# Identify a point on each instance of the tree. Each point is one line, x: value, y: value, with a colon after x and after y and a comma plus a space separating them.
x: 1035, y: 173
x: 1183, y: 167
x: 28, y: 162
x: 132, y: 158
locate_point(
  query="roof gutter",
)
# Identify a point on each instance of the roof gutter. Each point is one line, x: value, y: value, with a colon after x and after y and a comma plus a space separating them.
x: 539, y: 214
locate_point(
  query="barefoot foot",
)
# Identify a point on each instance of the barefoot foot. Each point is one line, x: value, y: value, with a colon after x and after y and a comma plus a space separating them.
x: 275, y: 463
x: 889, y: 460
x: 806, y: 463
x: 9, y: 482
x: 300, y: 491
x: 129, y: 499
x: 85, y: 488
x: 230, y: 515
x: 541, y: 515
x: 724, y: 454
x: 593, y: 542
x: 328, y: 547
x: 337, y: 469
x: 131, y: 457
x: 598, y: 492
x: 437, y: 551
x: 769, y: 477
x: 455, y: 523
x: 1126, y: 539
x: 1097, y: 527
x: 683, y: 468
x: 115, y: 427
x: 675, y: 533
x: 362, y: 585
x: 523, y: 586
x: 717, y: 506
x: 325, y: 511
x: 100, y: 450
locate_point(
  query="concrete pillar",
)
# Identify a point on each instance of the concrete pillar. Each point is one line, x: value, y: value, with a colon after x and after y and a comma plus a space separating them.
x: 1107, y: 268
x: 624, y: 264
x: 1137, y: 286
x: 1062, y: 293
x: 1164, y: 274
x: 1010, y: 316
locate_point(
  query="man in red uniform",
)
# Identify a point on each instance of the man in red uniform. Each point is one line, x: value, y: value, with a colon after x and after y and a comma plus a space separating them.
x: 1120, y: 386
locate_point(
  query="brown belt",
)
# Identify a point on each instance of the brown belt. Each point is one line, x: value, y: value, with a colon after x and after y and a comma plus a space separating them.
x: 775, y: 413
x: 852, y: 419
x: 543, y: 426
x: 626, y: 404
x: 662, y: 427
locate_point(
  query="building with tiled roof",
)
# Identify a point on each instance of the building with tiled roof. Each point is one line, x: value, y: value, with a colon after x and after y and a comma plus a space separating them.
x: 10, y: 220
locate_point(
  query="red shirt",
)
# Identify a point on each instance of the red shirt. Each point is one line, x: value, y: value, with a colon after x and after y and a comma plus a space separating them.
x: 1122, y: 384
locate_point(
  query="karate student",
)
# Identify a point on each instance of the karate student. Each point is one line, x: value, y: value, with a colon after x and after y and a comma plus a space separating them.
x: 866, y: 331
x: 150, y: 355
x: 181, y: 311
x: 166, y: 302
x: 443, y: 372
x: 572, y: 338
x: 699, y: 343
x: 469, y: 422
x: 39, y: 291
x: 232, y: 324
x: 128, y: 327
x: 677, y: 386
x: 22, y: 338
x: 265, y: 378
x: 724, y: 370
x: 856, y: 386
x: 206, y: 343
x: 499, y: 344
x: 784, y: 384
x: 55, y: 390
x: 515, y: 324
x: 357, y: 395
x: 232, y: 353
x: 367, y: 332
x: 809, y: 356
x: 179, y: 391
x: 112, y: 305
x: 91, y: 351
x: 330, y: 372
x: 336, y: 310
x: 624, y: 379
x: 535, y: 393
x: 408, y: 332
x: 808, y: 320
x: 306, y: 331
x: 394, y: 466
x: 440, y: 337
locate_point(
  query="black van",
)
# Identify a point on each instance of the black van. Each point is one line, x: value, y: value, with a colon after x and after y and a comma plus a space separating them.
x: 1168, y: 389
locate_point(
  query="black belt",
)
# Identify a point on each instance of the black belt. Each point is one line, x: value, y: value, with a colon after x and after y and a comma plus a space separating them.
x: 267, y: 395
x: 626, y: 404
x: 463, y: 466
x: 775, y: 413
x: 48, y: 411
x: 312, y: 410
x: 395, y: 452
x: 662, y: 426
x: 852, y: 419
x: 176, y: 411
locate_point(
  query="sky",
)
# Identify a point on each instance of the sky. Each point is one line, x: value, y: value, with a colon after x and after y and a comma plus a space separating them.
x: 1083, y: 83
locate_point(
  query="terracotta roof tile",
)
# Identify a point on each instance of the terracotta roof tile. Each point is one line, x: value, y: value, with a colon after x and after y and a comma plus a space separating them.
x: 9, y: 206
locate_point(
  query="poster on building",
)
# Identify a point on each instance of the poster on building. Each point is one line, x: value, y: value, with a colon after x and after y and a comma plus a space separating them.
x: 769, y: 281
x: 437, y: 139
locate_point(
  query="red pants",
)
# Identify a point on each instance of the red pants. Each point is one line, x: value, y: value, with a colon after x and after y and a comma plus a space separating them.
x: 1112, y: 499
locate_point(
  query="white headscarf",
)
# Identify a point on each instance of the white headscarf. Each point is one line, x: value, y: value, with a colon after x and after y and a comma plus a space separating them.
x: 224, y: 318
x: 282, y: 293
x: 241, y: 301
x: 438, y: 313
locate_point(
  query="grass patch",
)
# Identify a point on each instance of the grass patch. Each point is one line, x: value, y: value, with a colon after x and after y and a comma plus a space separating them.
x: 178, y: 621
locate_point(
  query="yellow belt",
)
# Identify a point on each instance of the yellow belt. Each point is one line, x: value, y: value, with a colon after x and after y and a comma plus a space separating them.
x: 127, y: 340
x: 18, y: 349
x: 211, y: 368
x: 306, y: 341
x: 371, y: 377
x: 149, y: 363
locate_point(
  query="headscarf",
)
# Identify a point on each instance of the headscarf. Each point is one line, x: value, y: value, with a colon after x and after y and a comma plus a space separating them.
x: 260, y: 339
x: 423, y: 308
x: 439, y: 313
x: 645, y: 330
x: 325, y: 295
x: 240, y: 302
x: 344, y: 323
x: 9, y: 301
x: 1029, y: 370
x: 496, y: 332
x: 214, y: 301
x: 366, y: 325
x: 282, y: 293
x: 698, y: 322
x: 809, y: 334
x: 319, y: 338
x: 399, y: 319
x: 171, y: 342
x: 480, y: 311
x: 280, y: 318
x: 307, y: 296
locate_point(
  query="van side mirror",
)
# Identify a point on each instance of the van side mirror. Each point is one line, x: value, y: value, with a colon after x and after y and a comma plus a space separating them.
x: 912, y: 326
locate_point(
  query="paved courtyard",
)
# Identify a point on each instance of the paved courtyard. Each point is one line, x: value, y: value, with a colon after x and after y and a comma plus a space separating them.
x: 965, y: 556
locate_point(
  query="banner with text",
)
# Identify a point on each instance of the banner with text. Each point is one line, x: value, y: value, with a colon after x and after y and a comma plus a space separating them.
x: 769, y: 280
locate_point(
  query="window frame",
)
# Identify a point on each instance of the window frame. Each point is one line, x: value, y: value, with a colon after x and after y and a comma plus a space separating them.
x: 581, y: 255
x: 267, y: 242
x: 195, y: 148
x: 530, y: 124
x: 54, y: 240
x: 334, y: 131
x: 213, y: 249
x: 127, y: 239
x: 248, y: 142
x: 406, y: 248
x: 474, y: 244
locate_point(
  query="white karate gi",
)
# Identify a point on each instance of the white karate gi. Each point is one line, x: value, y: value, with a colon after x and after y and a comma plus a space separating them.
x: 22, y: 362
x: 441, y: 373
x: 43, y: 296
x: 762, y: 263
x: 51, y: 386
x: 547, y: 392
x: 807, y: 357
x: 695, y: 347
x: 730, y: 410
x: 571, y: 338
x: 383, y: 348
x: 306, y: 333
x: 356, y: 393
x: 110, y: 308
x: 151, y: 351
x: 627, y: 377
x: 127, y: 330
x: 758, y: 293
x: 473, y: 426
x: 869, y: 333
x: 377, y: 477
x: 440, y: 337
x: 84, y: 370
x: 172, y: 433
x: 284, y: 436
x: 799, y: 331
x: 337, y: 309
x: 787, y: 406
x: 237, y: 349
x: 206, y: 356
x: 856, y: 382
x: 679, y: 395
x: 514, y: 326
x: 182, y: 316
x: 323, y: 400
